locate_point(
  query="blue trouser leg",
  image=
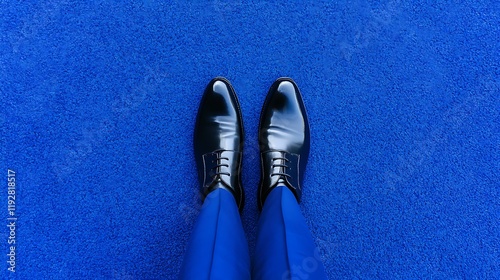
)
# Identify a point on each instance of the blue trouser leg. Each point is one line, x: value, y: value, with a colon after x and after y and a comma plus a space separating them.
x: 218, y: 248
x: 285, y: 248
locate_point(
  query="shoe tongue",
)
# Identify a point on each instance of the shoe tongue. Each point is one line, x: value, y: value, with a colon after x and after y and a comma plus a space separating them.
x: 219, y: 183
x: 281, y: 182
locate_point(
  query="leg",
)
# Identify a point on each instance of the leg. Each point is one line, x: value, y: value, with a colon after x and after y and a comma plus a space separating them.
x: 285, y: 248
x: 218, y: 248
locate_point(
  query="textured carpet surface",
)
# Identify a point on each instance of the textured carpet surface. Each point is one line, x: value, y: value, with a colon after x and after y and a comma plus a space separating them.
x: 98, y: 106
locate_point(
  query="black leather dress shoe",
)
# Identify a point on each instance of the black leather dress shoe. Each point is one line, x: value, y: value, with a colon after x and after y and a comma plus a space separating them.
x: 284, y: 140
x: 218, y: 140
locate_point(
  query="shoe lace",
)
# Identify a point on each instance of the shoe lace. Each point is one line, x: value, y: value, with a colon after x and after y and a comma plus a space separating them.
x: 282, y: 163
x: 219, y: 164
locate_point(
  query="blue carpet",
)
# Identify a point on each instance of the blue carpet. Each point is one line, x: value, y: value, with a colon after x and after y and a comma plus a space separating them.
x: 98, y: 106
